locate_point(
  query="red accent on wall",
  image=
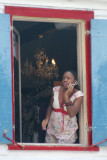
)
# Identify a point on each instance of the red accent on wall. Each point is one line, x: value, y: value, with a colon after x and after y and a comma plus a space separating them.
x: 14, y: 143
x: 49, y: 13
x: 66, y: 14
x: 88, y: 78
x: 61, y: 148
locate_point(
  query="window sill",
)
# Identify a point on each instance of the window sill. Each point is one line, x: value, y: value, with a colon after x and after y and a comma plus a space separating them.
x: 52, y: 147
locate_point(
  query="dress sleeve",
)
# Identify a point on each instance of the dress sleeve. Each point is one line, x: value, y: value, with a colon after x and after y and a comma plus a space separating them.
x: 56, y: 89
x: 79, y: 94
x: 55, y: 97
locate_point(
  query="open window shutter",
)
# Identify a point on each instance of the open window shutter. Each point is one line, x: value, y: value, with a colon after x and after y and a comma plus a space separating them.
x: 5, y: 79
x: 99, y: 80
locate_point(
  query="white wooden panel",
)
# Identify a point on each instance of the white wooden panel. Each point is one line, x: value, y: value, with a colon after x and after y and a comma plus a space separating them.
x: 98, y: 6
x: 52, y: 155
x: 74, y: 4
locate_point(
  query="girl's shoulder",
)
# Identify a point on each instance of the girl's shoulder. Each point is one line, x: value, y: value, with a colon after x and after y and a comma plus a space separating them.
x: 78, y: 93
x: 56, y: 89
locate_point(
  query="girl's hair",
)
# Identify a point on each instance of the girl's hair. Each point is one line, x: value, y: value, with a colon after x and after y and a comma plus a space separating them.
x: 75, y: 77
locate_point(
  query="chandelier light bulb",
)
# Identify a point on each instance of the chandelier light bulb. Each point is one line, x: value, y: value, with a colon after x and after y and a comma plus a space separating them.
x: 53, y: 61
x: 47, y: 60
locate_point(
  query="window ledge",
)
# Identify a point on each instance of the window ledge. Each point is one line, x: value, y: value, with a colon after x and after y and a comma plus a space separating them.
x: 52, y: 147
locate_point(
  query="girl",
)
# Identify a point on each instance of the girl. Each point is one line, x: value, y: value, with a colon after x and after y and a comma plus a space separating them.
x: 61, y: 113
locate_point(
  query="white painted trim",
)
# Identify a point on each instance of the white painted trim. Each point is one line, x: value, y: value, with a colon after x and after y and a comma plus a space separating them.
x: 67, y: 4
x: 53, y: 155
x: 100, y: 14
x: 98, y: 6
x: 50, y: 144
x: 1, y: 8
x: 81, y: 65
x: 60, y: 20
x: 19, y: 67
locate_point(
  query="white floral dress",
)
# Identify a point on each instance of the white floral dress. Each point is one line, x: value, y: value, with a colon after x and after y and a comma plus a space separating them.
x: 61, y: 127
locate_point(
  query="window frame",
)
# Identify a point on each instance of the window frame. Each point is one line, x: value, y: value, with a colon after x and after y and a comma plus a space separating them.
x: 86, y: 16
x: 81, y: 69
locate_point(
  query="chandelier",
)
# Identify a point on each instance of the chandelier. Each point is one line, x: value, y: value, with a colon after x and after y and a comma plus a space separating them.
x: 44, y: 68
x: 28, y: 69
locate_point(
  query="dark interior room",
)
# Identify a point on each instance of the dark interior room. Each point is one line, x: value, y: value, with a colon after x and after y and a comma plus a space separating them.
x: 57, y: 41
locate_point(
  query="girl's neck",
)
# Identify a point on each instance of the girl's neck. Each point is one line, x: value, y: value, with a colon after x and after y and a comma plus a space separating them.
x: 65, y: 89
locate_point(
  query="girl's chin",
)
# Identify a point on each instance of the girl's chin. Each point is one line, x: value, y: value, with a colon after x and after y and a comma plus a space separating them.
x: 65, y: 86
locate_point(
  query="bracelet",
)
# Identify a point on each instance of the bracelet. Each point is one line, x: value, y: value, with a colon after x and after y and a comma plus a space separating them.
x: 69, y: 103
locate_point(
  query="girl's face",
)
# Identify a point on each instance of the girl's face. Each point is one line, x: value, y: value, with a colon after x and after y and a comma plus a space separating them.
x: 67, y: 79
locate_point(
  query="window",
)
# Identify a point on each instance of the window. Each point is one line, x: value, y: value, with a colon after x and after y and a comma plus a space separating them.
x: 82, y: 21
x: 57, y: 39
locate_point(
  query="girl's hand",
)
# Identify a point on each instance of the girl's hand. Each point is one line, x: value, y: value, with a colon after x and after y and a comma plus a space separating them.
x: 44, y: 124
x: 69, y: 90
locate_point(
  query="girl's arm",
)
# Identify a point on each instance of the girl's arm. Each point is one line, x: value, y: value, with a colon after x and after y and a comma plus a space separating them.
x: 74, y: 108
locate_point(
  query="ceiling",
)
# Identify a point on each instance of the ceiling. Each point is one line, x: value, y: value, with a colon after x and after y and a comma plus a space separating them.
x: 59, y: 41
x: 31, y: 30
